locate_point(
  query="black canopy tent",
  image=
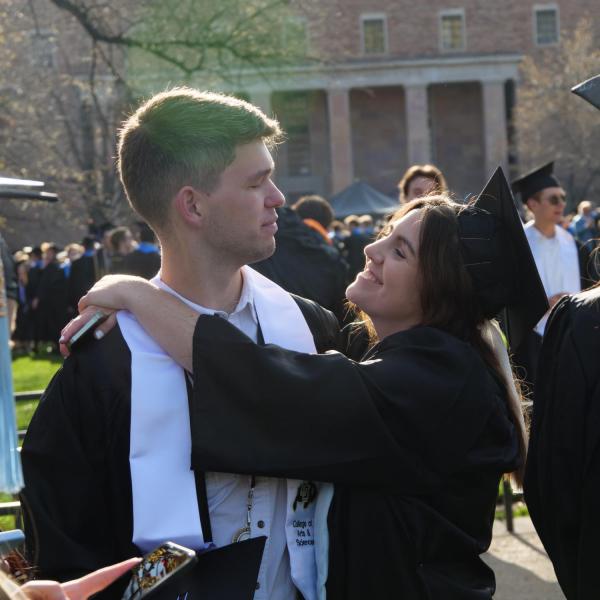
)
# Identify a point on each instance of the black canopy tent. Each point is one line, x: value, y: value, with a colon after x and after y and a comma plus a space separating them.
x: 361, y: 199
x: 13, y: 188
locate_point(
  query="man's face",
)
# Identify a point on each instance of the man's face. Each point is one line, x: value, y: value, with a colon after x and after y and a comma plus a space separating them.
x: 550, y: 206
x: 239, y: 215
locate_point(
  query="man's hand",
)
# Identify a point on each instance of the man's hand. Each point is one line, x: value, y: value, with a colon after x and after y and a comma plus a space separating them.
x: 78, y: 589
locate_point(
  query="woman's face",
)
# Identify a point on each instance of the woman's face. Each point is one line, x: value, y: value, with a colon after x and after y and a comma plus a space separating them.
x: 388, y: 288
x: 418, y: 187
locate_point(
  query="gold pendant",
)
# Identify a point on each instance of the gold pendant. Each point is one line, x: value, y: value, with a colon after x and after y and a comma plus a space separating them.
x: 241, y: 535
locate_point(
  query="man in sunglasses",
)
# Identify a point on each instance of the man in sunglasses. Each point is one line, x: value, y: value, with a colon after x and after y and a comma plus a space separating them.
x: 554, y: 250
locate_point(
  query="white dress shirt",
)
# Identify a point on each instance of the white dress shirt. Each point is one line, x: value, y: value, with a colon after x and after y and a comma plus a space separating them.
x: 228, y: 494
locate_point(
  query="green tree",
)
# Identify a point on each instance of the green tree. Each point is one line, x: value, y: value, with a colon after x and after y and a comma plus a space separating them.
x: 554, y: 124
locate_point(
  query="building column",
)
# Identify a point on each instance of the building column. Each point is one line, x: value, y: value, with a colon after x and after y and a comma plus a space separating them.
x: 495, y: 135
x: 340, y: 139
x: 262, y: 99
x: 417, y: 124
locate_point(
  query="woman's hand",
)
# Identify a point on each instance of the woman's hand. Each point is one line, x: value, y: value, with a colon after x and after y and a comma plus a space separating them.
x: 109, y: 294
x: 78, y: 589
x: 115, y: 292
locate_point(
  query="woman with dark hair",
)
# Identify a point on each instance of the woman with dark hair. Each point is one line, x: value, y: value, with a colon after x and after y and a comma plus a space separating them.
x: 415, y: 437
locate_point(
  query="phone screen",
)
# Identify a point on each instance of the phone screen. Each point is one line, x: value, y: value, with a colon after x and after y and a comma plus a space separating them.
x: 156, y: 567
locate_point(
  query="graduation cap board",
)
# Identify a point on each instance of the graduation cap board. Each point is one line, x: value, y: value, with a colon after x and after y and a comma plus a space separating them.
x: 361, y: 199
x: 536, y: 180
x: 498, y: 258
x: 589, y: 90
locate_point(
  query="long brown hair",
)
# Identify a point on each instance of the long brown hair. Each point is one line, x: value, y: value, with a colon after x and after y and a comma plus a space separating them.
x: 449, y: 302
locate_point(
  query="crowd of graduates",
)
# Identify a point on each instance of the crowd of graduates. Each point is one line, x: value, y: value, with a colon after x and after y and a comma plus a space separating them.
x: 44, y: 283
x: 317, y: 256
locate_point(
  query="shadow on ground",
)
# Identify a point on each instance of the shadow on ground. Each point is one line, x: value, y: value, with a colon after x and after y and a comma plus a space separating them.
x: 515, y: 582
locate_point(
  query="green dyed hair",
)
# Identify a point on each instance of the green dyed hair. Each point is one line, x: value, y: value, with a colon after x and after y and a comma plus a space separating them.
x: 184, y: 137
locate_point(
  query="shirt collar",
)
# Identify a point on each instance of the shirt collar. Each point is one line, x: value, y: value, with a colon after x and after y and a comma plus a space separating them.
x: 245, y: 303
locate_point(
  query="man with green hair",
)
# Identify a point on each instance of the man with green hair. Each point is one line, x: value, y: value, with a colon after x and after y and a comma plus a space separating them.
x: 107, y: 455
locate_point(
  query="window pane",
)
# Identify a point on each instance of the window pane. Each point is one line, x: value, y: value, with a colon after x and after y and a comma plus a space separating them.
x: 374, y: 36
x: 546, y: 26
x: 452, y: 32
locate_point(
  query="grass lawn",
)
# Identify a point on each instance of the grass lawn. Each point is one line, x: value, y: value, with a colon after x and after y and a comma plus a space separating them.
x: 32, y: 372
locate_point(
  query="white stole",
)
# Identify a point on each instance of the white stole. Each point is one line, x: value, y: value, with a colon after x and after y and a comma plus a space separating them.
x: 165, y: 506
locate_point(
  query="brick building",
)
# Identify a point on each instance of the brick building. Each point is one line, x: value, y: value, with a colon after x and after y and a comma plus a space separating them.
x: 398, y: 82
x: 387, y: 83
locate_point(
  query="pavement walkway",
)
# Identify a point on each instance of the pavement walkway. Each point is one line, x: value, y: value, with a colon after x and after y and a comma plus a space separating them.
x: 523, y: 570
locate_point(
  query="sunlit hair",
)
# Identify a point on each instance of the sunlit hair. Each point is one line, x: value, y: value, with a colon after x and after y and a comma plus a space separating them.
x: 449, y: 302
x: 184, y: 137
x: 427, y: 171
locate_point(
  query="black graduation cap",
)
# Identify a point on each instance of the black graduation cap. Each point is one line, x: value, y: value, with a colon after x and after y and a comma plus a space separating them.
x: 227, y: 573
x: 589, y: 90
x: 498, y: 258
x: 536, y: 180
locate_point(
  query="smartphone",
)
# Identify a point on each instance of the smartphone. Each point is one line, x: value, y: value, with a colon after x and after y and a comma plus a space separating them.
x: 10, y: 541
x: 160, y: 565
x: 87, y: 330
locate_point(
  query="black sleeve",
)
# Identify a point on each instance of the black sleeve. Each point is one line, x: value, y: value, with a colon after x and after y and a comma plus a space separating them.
x: 389, y: 421
x: 72, y: 483
x: 562, y: 481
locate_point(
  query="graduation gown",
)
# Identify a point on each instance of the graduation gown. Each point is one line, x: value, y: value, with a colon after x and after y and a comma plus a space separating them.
x: 415, y: 439
x: 85, y: 271
x: 52, y: 295
x: 562, y: 480
x: 78, y: 493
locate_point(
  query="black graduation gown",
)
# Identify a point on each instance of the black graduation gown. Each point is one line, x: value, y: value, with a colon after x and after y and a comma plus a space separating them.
x: 52, y: 308
x: 85, y: 271
x: 415, y: 440
x: 77, y: 497
x: 562, y: 480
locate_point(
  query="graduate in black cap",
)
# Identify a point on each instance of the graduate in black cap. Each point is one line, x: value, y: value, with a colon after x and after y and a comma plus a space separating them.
x: 554, y: 250
x: 415, y: 436
x: 562, y: 482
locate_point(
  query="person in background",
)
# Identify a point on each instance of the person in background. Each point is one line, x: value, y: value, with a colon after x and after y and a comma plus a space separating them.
x: 36, y: 267
x: 122, y: 244
x: 72, y: 252
x: 84, y: 272
x: 583, y: 225
x: 356, y: 242
x: 51, y: 297
x: 22, y: 334
x: 554, y: 250
x: 305, y: 261
x: 421, y: 180
x: 315, y: 213
x: 143, y: 261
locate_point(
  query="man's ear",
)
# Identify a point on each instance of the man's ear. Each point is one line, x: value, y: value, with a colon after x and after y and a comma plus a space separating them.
x: 532, y: 204
x: 188, y: 204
